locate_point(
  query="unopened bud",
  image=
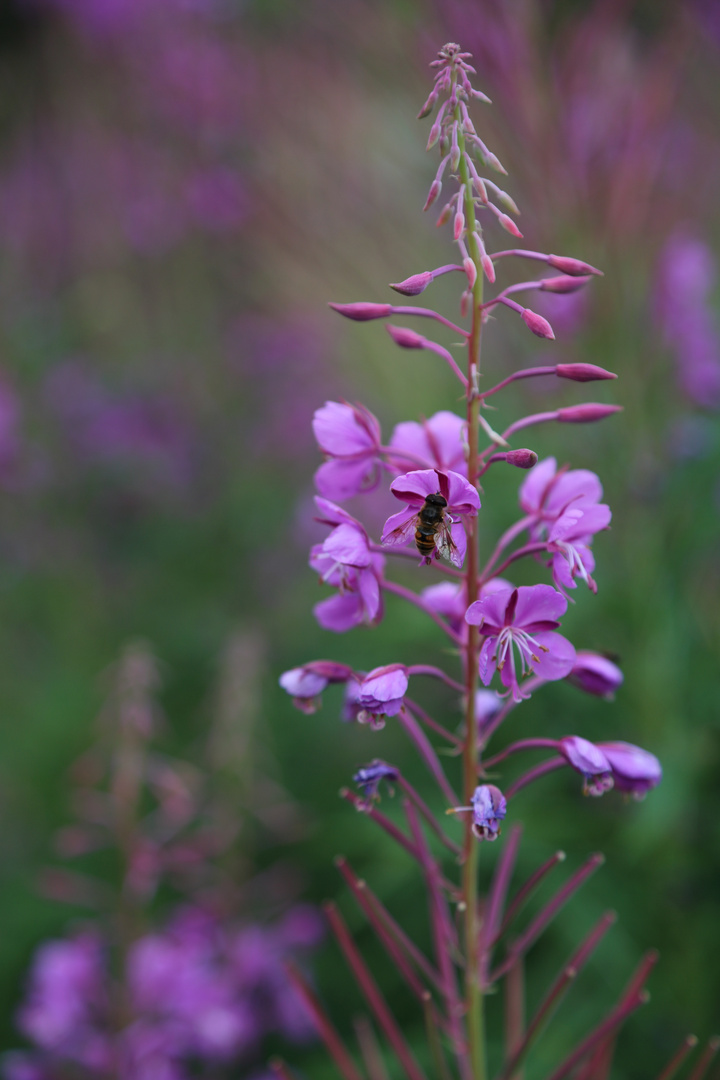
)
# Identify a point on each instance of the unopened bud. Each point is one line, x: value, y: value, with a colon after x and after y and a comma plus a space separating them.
x: 455, y: 158
x: 489, y: 268
x: 587, y: 413
x: 480, y: 187
x: 362, y: 312
x: 564, y: 284
x: 428, y: 106
x: 574, y: 267
x: 470, y: 270
x: 465, y: 303
x: 433, y: 193
x: 583, y: 372
x: 414, y: 285
x: 444, y: 215
x: 480, y: 96
x: 494, y: 162
x: 521, y: 459
x: 458, y: 225
x: 434, y: 133
x: 407, y: 339
x: 537, y: 324
x: 508, y: 201
x: 509, y: 225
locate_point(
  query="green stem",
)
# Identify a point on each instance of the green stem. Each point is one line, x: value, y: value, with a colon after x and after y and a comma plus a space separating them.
x: 473, y: 989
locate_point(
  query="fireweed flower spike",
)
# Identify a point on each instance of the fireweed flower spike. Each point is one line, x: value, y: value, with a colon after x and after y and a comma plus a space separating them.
x: 434, y: 468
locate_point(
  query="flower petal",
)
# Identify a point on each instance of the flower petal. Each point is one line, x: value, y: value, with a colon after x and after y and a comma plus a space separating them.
x: 340, y: 613
x: 347, y: 544
x: 538, y: 604
x: 535, y: 484
x: 342, y: 478
x: 414, y: 487
x: 558, y: 661
x: 489, y: 612
x: 342, y: 430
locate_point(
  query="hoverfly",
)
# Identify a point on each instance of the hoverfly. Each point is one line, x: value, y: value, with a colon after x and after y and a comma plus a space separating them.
x: 430, y: 528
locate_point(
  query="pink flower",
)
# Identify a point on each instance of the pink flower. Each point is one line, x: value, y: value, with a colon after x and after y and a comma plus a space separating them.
x: 595, y: 674
x: 349, y: 435
x: 381, y: 694
x: 589, y: 761
x: 305, y: 684
x: 634, y: 770
x: 569, y: 540
x: 546, y: 493
x: 346, y: 561
x: 522, y: 621
x: 413, y: 489
x: 438, y: 441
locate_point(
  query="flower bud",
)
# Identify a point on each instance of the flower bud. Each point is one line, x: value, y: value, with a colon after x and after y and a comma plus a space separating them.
x: 407, y: 339
x: 586, y: 413
x: 362, y: 312
x: 583, y: 372
x: 489, y: 268
x: 480, y: 187
x: 434, y: 133
x: 470, y: 270
x: 507, y: 200
x: 428, y: 106
x: 521, y: 459
x: 444, y: 215
x: 494, y: 163
x: 563, y: 284
x: 465, y: 301
x: 537, y: 324
x: 595, y: 674
x: 435, y: 189
x: 414, y: 285
x: 458, y: 225
x: 509, y: 225
x: 573, y: 267
x: 454, y: 158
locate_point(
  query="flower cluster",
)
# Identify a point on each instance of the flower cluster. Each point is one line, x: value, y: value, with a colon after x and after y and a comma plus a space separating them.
x: 507, y: 637
x: 195, y: 991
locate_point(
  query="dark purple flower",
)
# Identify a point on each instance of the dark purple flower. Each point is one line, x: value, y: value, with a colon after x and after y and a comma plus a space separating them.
x: 306, y: 684
x: 381, y: 694
x: 634, y: 770
x: 595, y: 674
x: 413, y: 489
x: 590, y: 761
x: 369, y: 776
x: 349, y: 435
x: 522, y: 620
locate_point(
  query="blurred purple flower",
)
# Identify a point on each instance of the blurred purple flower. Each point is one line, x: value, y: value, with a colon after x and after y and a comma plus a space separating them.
x: 590, y: 762
x: 595, y: 674
x: 686, y: 274
x: 349, y: 436
x: 437, y: 442
x: 635, y: 771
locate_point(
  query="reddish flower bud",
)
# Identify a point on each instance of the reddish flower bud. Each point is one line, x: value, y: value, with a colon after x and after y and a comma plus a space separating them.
x: 444, y: 215
x: 455, y: 158
x: 489, y: 268
x: 435, y: 189
x: 587, y: 413
x: 414, y: 285
x: 458, y: 225
x: 494, y: 162
x: 362, y: 312
x: 470, y: 270
x: 564, y: 284
x: 407, y: 339
x: 521, y: 459
x: 428, y: 106
x: 537, y: 324
x: 509, y: 225
x: 573, y: 267
x: 583, y: 372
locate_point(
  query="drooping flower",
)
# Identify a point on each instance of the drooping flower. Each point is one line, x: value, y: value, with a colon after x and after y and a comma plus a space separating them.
x: 545, y: 493
x: 595, y: 674
x: 488, y: 808
x: 439, y: 441
x: 345, y: 561
x: 590, y: 761
x: 305, y: 684
x: 569, y: 541
x: 381, y: 694
x: 349, y: 436
x: 413, y: 489
x: 635, y: 770
x: 368, y: 778
x: 522, y: 621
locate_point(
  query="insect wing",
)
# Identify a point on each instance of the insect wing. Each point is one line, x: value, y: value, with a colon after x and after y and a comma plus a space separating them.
x: 446, y: 546
x: 403, y: 534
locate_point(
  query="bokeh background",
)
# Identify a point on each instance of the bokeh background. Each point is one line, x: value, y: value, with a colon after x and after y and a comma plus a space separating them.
x: 183, y: 186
